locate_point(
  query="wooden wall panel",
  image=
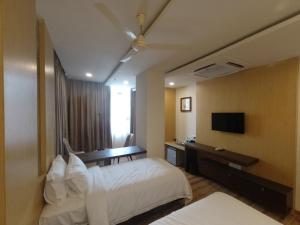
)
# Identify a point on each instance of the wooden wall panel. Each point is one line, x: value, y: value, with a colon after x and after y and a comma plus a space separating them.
x: 297, y: 180
x: 170, y: 114
x: 46, y: 98
x: 24, y: 186
x: 2, y: 152
x: 268, y: 97
x: 41, y: 97
x: 49, y: 100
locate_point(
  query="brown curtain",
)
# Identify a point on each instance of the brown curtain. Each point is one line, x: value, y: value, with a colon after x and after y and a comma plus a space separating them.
x: 89, y: 116
x: 61, y: 105
x: 132, y: 112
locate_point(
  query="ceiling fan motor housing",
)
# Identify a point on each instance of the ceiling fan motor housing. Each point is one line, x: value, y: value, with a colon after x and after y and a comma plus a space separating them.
x: 139, y: 43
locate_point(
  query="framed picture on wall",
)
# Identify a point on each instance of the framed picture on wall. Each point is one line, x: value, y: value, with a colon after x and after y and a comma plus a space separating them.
x: 186, y: 104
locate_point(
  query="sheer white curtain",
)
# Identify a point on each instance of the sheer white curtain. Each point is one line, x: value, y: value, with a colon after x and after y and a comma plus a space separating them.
x: 120, y: 114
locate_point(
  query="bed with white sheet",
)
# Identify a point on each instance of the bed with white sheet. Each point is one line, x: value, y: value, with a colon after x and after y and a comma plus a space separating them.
x: 71, y: 211
x: 119, y: 192
x: 217, y: 209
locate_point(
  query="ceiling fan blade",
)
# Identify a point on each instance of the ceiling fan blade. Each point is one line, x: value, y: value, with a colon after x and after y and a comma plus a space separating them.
x: 128, y: 56
x: 114, y: 20
x: 143, y: 7
x: 170, y: 47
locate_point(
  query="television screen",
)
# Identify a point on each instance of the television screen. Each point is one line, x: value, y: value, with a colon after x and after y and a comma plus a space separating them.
x: 228, y: 122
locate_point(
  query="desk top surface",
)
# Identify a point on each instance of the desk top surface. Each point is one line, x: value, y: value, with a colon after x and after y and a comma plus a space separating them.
x: 175, y: 145
x: 240, y: 159
x: 110, y: 153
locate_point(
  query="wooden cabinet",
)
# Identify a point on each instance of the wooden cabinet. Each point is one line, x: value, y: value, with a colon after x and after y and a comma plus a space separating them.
x: 213, y: 165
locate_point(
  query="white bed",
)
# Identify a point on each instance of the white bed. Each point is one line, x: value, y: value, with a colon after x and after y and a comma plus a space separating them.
x: 217, y: 209
x: 72, y: 211
x: 119, y: 192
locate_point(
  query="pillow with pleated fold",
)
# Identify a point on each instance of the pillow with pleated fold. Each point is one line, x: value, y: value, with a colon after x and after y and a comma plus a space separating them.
x: 77, y: 177
x: 55, y: 190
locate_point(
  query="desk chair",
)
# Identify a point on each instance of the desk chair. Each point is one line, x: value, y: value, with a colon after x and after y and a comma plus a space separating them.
x: 68, y: 147
x: 128, y: 142
x: 70, y: 150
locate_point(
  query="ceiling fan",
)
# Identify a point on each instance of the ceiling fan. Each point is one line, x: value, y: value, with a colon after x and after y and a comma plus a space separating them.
x: 138, y: 42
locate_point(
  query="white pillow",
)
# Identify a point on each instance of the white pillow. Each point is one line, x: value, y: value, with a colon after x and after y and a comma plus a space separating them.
x: 77, y: 177
x: 55, y: 190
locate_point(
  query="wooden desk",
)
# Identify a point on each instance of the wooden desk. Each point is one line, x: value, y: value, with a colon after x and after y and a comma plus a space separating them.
x: 224, y: 155
x: 217, y: 165
x: 111, y: 153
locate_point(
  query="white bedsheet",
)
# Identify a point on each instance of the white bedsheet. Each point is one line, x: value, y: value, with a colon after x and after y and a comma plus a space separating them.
x: 70, y: 212
x: 122, y: 191
x: 217, y: 209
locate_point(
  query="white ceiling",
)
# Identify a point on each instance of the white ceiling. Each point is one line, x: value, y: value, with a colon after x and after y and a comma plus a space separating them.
x: 86, y: 41
x: 276, y: 43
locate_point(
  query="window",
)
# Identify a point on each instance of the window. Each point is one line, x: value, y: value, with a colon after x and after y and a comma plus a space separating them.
x: 120, y: 114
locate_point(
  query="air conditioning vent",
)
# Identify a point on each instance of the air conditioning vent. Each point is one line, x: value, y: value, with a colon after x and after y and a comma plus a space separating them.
x: 218, y: 69
x: 235, y: 65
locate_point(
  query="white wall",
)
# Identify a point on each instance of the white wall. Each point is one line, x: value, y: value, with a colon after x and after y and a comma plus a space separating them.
x: 150, y: 121
x: 186, y: 121
x: 297, y: 186
x: 141, y: 111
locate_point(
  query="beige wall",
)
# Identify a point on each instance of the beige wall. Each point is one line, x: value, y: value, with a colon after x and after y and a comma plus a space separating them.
x: 170, y: 114
x: 150, y: 120
x: 186, y: 121
x: 268, y: 97
x: 141, y: 110
x: 23, y: 184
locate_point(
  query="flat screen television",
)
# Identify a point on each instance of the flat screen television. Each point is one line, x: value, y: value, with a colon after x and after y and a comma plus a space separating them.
x: 228, y: 122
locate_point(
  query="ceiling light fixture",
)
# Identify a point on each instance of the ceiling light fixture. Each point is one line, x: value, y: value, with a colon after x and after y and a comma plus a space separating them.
x: 171, y: 83
x: 125, y: 82
x: 89, y: 75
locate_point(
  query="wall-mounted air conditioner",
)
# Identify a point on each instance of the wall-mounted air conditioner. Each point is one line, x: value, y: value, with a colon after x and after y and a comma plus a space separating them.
x: 214, y: 70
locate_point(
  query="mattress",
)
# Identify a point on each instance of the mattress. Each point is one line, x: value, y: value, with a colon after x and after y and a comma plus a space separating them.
x: 217, y: 209
x: 70, y: 212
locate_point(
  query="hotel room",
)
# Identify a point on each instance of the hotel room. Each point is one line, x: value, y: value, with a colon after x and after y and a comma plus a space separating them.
x: 160, y: 112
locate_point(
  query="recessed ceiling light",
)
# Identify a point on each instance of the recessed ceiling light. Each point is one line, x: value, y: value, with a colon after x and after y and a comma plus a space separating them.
x: 171, y: 83
x: 88, y: 75
x: 125, y: 82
